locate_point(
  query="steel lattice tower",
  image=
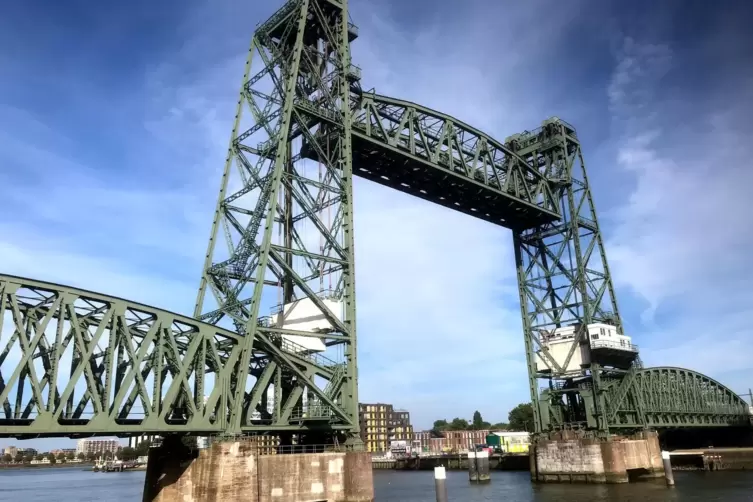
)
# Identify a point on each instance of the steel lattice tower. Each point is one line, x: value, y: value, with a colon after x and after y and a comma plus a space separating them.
x: 288, y: 175
x: 564, y: 280
x: 281, y: 247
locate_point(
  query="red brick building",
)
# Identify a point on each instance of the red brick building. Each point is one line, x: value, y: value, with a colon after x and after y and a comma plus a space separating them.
x: 453, y: 441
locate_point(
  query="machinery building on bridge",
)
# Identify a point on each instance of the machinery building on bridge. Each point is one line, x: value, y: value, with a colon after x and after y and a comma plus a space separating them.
x: 600, y: 343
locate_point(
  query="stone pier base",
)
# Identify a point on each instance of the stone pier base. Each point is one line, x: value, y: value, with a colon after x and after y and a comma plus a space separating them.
x: 566, y: 459
x: 235, y: 471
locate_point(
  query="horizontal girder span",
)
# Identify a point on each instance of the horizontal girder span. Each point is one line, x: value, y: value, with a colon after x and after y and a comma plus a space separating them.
x: 669, y: 397
x: 441, y: 159
x: 78, y: 363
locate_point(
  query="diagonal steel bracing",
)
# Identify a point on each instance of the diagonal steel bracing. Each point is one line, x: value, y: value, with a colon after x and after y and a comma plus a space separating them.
x: 564, y: 278
x: 272, y: 344
x: 279, y: 266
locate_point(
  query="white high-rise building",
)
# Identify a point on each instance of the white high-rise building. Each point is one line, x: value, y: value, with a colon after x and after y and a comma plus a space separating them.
x: 97, y: 446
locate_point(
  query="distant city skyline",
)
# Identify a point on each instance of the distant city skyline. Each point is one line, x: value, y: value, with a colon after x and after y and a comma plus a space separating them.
x: 49, y: 444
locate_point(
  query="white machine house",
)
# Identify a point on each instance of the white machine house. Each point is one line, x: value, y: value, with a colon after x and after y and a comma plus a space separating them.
x: 600, y: 343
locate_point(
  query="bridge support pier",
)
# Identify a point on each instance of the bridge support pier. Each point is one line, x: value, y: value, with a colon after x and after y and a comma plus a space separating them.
x: 566, y: 458
x: 233, y: 471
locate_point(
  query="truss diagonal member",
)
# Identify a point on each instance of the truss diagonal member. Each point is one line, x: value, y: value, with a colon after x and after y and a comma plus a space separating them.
x: 136, y: 359
x: 283, y: 357
x: 401, y: 103
x: 309, y: 292
x: 28, y: 346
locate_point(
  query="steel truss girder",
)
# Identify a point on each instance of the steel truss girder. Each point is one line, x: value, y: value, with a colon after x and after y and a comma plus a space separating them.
x: 135, y: 369
x: 667, y: 397
x: 78, y: 363
x: 296, y: 85
x: 434, y: 156
x: 92, y: 364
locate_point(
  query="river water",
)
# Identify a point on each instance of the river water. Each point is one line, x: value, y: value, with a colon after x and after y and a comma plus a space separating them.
x: 76, y: 485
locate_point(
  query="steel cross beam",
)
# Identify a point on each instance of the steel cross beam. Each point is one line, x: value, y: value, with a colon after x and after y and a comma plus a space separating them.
x: 272, y: 344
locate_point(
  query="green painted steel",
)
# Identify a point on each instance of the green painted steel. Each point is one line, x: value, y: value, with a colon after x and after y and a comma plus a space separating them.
x: 674, y: 397
x: 438, y: 158
x: 563, y: 275
x: 271, y: 347
x: 281, y: 243
x: 656, y: 398
x: 92, y: 364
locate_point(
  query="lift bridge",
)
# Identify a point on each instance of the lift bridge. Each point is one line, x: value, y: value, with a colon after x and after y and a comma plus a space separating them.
x: 271, y: 345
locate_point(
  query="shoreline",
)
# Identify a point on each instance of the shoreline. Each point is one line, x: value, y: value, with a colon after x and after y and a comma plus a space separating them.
x: 84, y: 465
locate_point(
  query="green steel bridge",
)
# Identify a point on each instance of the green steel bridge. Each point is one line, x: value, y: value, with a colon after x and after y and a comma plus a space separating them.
x: 78, y: 363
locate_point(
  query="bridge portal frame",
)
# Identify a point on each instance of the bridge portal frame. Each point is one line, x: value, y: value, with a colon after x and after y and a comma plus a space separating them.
x: 306, y: 104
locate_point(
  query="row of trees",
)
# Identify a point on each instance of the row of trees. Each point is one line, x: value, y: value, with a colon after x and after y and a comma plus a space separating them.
x: 520, y: 418
x: 124, y: 453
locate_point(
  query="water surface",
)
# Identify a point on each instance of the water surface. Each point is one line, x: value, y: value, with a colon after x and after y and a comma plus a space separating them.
x: 77, y: 485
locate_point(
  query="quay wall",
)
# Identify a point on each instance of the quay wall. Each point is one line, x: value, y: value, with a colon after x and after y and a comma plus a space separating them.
x: 234, y: 471
x: 713, y: 459
x: 451, y: 462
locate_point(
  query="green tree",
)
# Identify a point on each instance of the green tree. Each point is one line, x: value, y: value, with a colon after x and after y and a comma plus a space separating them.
x: 478, y: 423
x: 71, y: 455
x: 51, y: 457
x: 189, y: 441
x: 28, y: 457
x: 459, y: 424
x: 7, y: 458
x: 81, y: 456
x: 19, y: 457
x: 127, y: 453
x: 501, y: 426
x: 521, y: 417
x: 142, y: 448
x: 440, y: 425
x: 91, y: 457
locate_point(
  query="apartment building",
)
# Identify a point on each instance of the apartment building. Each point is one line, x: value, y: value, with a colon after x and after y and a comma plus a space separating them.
x: 381, y: 424
x: 97, y: 446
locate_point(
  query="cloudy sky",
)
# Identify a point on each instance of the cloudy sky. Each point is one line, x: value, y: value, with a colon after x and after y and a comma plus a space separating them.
x: 114, y: 120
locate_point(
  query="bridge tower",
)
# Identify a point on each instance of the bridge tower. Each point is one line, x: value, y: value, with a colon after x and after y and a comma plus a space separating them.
x: 574, y: 336
x: 279, y: 264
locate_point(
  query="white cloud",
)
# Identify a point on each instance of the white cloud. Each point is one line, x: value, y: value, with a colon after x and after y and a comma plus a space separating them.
x: 682, y: 239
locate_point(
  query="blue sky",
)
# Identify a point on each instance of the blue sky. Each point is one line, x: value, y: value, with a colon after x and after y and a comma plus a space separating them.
x: 114, y: 120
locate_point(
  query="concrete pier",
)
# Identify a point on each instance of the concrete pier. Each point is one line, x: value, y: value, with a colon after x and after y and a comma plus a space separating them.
x: 235, y: 471
x: 668, y: 474
x: 482, y: 461
x: 440, y: 484
x: 564, y: 458
x: 472, y: 467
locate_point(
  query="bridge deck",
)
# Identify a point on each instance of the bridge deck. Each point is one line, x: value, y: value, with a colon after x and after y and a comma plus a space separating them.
x: 438, y: 158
